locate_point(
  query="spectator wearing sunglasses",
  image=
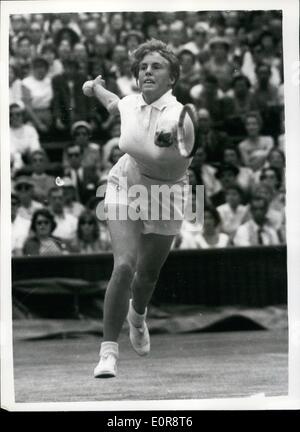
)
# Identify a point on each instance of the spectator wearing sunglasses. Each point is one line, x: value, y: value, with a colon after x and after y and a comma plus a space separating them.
x: 87, y: 238
x: 42, y: 241
x: 24, y: 187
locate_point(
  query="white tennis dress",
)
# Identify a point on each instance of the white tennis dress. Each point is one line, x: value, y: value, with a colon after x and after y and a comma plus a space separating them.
x: 146, y: 164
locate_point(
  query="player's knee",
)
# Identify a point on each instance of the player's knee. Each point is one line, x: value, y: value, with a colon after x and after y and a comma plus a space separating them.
x: 147, y: 276
x: 124, y: 268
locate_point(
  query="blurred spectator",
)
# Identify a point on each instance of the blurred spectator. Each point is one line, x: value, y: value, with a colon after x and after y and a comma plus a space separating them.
x: 24, y: 187
x: 81, y: 56
x: 227, y: 175
x: 232, y: 212
x: 23, y: 137
x: 275, y: 216
x: 90, y: 31
x: 245, y: 178
x: 36, y: 35
x: 49, y: 53
x: 42, y: 181
x: 42, y: 241
x: 265, y: 93
x: 210, y: 237
x: 39, y: 86
x: 210, y: 97
x: 115, y: 132
x: 84, y: 179
x: 206, y: 173
x: 255, y: 148
x: 189, y: 76
x: 66, y: 223
x: 87, y: 239
x: 271, y: 177
x: 132, y: 40
x: 17, y: 91
x: 126, y: 82
x: 69, y: 102
x: 177, y: 36
x: 211, y: 140
x: 243, y: 102
x: 115, y: 29
x: 22, y: 58
x: 19, y: 227
x: 198, y: 43
x: 219, y: 64
x: 256, y: 231
x: 71, y: 205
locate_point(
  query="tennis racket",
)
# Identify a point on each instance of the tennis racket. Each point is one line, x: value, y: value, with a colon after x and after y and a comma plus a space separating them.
x: 188, y: 147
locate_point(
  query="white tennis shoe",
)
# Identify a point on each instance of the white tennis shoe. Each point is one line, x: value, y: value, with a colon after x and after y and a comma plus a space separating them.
x: 138, y: 332
x: 107, y: 366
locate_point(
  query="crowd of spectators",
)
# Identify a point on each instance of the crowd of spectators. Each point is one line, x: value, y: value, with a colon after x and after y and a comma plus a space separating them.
x: 231, y: 70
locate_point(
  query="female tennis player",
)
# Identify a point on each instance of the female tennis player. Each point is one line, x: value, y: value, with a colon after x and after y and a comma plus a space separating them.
x: 140, y: 247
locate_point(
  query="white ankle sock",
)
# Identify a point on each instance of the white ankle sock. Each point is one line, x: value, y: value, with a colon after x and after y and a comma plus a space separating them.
x: 135, y: 318
x: 109, y: 347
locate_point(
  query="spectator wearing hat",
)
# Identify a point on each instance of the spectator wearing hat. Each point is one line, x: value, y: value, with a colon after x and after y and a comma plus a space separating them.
x: 23, y: 137
x: 255, y: 149
x: 71, y: 204
x: 256, y: 231
x: 42, y: 241
x: 84, y: 179
x: 232, y: 212
x: 69, y: 103
x: 39, y: 86
x: 66, y: 223
x: 219, y: 64
x: 24, y: 187
x: 227, y: 175
x: 19, y: 227
x: 41, y: 180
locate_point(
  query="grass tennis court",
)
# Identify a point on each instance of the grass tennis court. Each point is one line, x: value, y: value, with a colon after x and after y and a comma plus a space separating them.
x: 180, y: 366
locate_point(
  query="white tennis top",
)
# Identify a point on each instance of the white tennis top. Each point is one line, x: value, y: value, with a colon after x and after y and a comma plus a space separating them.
x: 139, y: 124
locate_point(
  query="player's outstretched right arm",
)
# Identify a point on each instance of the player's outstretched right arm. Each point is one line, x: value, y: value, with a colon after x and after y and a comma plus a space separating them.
x: 105, y: 97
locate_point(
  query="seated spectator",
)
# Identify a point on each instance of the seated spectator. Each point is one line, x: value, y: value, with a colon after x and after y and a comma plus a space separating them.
x: 276, y: 159
x: 69, y: 103
x: 132, y: 40
x: 126, y: 82
x: 115, y: 154
x: 190, y: 75
x: 87, y: 239
x: 242, y: 102
x: 66, y: 223
x: 256, y: 231
x: 104, y: 234
x: 206, y: 173
x: 219, y: 64
x: 23, y: 56
x: 49, y: 53
x: 17, y: 91
x: 245, y: 178
x: 91, y: 152
x: 81, y: 56
x: 24, y: 187
x: 115, y: 132
x: 198, y: 43
x: 211, y: 140
x: 271, y: 177
x: 23, y: 138
x: 41, y: 180
x: 19, y: 227
x: 37, y: 37
x: 227, y: 175
x: 177, y: 36
x: 209, y: 96
x: 84, y: 179
x: 255, y: 148
x: 39, y: 86
x: 209, y: 237
x: 42, y: 241
x: 71, y: 205
x: 232, y: 212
